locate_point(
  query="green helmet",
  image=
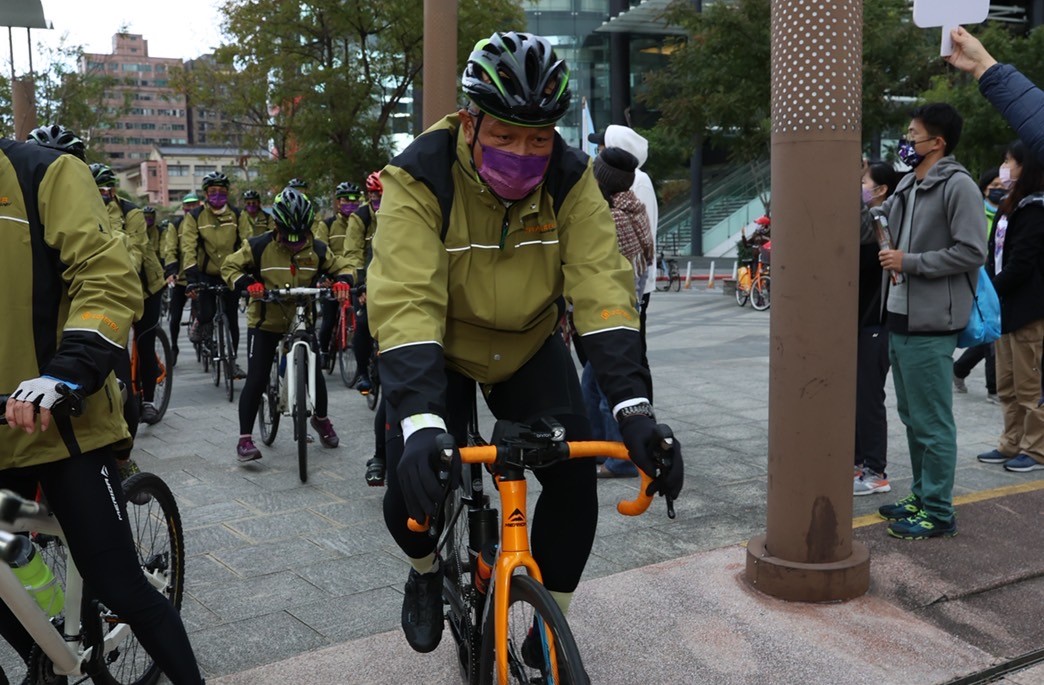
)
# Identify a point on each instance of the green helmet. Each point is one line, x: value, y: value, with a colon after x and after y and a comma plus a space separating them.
x: 191, y: 197
x: 517, y: 78
x: 293, y: 214
x: 104, y: 177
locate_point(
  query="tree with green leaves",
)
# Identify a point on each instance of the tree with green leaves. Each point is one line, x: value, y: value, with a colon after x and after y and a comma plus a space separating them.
x: 324, y: 83
x: 718, y: 83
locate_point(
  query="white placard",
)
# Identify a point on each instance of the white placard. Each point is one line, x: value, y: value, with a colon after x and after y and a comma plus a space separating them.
x: 949, y: 14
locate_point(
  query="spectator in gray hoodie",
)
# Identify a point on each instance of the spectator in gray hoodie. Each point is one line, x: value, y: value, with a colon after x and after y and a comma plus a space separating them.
x: 935, y: 217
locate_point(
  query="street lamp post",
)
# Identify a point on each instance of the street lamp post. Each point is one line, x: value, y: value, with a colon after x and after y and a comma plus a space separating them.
x: 807, y: 552
x: 440, y: 60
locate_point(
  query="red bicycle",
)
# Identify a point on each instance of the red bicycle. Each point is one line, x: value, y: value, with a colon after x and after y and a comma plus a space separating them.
x: 341, y: 352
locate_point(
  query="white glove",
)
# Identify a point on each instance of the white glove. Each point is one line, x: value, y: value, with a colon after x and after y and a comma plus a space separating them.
x: 42, y: 391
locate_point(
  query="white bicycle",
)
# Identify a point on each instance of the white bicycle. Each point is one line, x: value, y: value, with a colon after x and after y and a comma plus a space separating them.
x: 291, y: 387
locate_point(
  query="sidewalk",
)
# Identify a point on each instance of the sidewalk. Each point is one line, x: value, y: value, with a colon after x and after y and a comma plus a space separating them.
x: 284, y: 575
x: 936, y: 611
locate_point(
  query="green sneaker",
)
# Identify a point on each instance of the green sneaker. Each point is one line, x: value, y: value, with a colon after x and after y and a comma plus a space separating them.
x: 922, y: 526
x: 904, y: 508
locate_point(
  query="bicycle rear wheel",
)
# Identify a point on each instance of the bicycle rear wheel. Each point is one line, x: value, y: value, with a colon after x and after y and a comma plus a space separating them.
x: 346, y: 363
x: 375, y: 383
x: 531, y: 608
x: 301, y: 411
x: 268, y: 412
x: 155, y: 525
x: 165, y: 378
x: 229, y: 355
x: 214, y: 347
x: 761, y: 293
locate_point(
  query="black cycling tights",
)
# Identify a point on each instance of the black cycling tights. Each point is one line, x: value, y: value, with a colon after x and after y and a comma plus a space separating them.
x: 77, y: 491
x: 261, y: 352
x: 145, y: 334
x: 566, y: 515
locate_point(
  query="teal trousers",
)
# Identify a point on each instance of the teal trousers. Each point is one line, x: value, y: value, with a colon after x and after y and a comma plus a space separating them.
x: 922, y: 366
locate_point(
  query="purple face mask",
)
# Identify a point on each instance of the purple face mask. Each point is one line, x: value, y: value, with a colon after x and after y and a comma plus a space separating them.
x: 375, y: 204
x: 253, y: 210
x: 217, y: 200
x: 511, y: 176
x: 348, y: 209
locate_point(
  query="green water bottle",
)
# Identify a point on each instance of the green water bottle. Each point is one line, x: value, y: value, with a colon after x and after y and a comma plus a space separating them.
x: 38, y: 579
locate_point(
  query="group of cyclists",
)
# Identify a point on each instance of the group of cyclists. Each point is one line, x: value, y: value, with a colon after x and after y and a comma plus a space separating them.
x: 489, y: 224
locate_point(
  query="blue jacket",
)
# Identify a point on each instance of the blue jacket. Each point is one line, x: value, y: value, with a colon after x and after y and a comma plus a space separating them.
x: 1019, y: 101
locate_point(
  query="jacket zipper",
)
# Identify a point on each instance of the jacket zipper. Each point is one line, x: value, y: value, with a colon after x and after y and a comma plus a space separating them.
x: 504, y: 228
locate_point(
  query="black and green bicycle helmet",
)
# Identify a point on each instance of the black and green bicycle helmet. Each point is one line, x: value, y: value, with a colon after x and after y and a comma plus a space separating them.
x: 60, y: 138
x: 293, y: 214
x: 517, y: 78
x: 104, y: 177
x: 251, y: 195
x: 215, y: 178
x: 347, y: 189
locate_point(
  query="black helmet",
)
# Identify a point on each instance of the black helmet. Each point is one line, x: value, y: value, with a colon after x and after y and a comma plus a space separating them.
x: 103, y: 176
x: 251, y: 195
x: 293, y: 214
x: 148, y: 209
x: 517, y: 78
x: 297, y: 183
x: 60, y: 138
x: 215, y: 178
x: 347, y: 189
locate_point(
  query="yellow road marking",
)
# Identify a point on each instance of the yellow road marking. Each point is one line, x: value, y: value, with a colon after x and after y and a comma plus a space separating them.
x: 1003, y: 491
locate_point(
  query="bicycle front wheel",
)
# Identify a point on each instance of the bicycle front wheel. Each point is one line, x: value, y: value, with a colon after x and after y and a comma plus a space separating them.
x: 346, y: 363
x: 217, y: 354
x: 165, y: 376
x: 375, y: 383
x: 229, y: 355
x: 532, y: 614
x: 155, y: 525
x: 268, y: 412
x: 301, y: 411
x: 464, y: 602
x: 675, y: 283
x: 760, y: 293
x: 742, y: 295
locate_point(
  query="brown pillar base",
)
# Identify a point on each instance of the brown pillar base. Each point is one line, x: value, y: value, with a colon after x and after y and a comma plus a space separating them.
x: 798, y: 582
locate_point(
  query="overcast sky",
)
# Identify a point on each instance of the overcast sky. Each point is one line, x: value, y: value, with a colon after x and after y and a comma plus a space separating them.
x: 183, y: 28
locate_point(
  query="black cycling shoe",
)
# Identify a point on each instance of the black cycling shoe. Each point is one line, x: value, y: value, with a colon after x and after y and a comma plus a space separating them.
x: 375, y: 472
x: 422, y: 610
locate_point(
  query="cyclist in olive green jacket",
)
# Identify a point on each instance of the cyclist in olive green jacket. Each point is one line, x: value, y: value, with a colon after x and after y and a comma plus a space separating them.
x: 287, y: 256
x: 488, y: 220
x: 209, y: 234
x: 71, y: 294
x: 172, y: 261
x: 346, y: 197
x: 152, y: 282
x: 260, y: 220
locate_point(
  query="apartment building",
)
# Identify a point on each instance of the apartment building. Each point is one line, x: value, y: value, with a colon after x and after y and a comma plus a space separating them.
x: 173, y: 171
x: 156, y: 114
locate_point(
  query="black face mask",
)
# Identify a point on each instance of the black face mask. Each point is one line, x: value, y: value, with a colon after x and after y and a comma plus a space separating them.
x: 996, y: 195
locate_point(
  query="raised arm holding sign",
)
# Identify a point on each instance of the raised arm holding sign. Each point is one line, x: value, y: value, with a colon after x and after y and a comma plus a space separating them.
x: 949, y: 14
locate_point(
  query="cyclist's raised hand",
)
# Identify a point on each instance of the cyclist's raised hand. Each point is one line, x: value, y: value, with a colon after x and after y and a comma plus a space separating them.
x: 418, y: 472
x: 645, y: 443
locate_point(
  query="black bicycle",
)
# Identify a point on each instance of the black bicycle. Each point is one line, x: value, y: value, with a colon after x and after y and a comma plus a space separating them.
x: 215, y: 347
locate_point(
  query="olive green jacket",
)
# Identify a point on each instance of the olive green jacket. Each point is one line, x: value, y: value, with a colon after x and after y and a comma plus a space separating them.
x: 336, y: 232
x: 260, y: 224
x: 267, y: 261
x: 362, y: 225
x: 487, y: 292
x: 71, y: 293
x: 170, y: 250
x: 208, y: 238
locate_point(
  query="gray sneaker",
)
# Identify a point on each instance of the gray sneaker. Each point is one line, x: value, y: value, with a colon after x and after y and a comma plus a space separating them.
x: 869, y: 483
x: 958, y: 385
x: 992, y: 398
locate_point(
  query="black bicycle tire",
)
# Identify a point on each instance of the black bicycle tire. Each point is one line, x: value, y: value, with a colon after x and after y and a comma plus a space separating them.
x: 230, y: 361
x: 268, y: 411
x: 346, y: 362
x: 167, y: 359
x: 675, y: 283
x: 215, y: 346
x: 464, y: 611
x: 150, y: 490
x: 526, y: 589
x: 763, y: 285
x: 301, y: 411
x: 374, y: 395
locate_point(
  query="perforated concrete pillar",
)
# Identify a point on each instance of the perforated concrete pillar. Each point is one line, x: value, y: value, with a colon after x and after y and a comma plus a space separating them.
x: 807, y: 552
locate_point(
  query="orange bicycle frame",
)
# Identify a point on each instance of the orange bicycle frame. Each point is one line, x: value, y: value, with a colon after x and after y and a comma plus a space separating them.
x: 514, y: 549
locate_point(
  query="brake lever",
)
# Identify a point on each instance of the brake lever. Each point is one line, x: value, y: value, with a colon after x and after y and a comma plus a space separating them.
x: 446, y: 447
x: 664, y: 460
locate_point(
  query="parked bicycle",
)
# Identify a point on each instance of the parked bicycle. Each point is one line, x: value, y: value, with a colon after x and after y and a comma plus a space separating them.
x: 507, y: 626
x: 77, y: 635
x: 667, y: 269
x: 756, y: 285
x: 291, y: 387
